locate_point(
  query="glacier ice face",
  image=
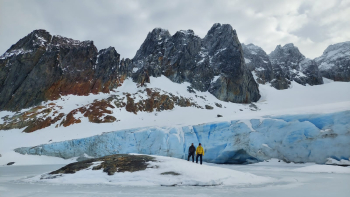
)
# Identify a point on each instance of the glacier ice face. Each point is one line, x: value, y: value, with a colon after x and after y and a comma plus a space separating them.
x: 294, y: 138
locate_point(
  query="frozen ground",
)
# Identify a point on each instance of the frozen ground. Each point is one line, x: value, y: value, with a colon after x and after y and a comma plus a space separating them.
x: 290, y: 183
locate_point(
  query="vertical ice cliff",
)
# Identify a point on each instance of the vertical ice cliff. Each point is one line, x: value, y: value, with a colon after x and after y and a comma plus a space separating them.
x: 293, y: 138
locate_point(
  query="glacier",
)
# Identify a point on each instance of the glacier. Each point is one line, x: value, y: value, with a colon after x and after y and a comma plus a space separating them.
x: 292, y: 138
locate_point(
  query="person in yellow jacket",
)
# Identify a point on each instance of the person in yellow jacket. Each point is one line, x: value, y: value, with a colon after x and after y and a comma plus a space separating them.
x: 199, y: 153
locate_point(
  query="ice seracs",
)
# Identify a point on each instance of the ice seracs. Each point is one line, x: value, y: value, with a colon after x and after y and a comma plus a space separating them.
x: 292, y: 138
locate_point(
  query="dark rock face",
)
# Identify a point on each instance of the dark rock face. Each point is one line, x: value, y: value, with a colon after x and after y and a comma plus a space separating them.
x: 258, y: 62
x: 289, y: 63
x: 283, y: 65
x: 214, y: 63
x: 110, y: 164
x: 335, y: 62
x: 42, y: 67
x: 125, y: 67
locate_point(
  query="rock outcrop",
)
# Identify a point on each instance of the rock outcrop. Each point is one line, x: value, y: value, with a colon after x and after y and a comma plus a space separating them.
x: 42, y: 67
x: 258, y: 62
x: 98, y: 111
x: 110, y: 164
x: 289, y: 63
x: 335, y: 62
x: 214, y: 63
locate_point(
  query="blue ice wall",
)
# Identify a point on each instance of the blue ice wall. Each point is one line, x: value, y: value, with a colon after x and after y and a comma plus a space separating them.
x: 295, y: 138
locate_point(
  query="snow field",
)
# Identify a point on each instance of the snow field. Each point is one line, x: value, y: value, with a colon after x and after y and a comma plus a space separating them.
x: 190, y: 174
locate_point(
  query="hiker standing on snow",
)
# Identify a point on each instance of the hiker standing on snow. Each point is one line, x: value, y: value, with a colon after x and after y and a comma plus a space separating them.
x: 199, y: 152
x: 191, y: 152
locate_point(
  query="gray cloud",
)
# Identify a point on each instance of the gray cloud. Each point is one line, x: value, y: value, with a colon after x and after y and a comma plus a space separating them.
x: 310, y: 25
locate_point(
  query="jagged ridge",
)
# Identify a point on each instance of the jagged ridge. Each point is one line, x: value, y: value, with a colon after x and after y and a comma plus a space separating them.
x: 43, y: 67
x: 334, y: 63
x: 214, y: 63
x: 283, y: 65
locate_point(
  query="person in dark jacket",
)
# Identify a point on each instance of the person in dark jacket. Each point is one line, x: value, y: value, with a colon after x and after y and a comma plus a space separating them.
x: 191, y: 152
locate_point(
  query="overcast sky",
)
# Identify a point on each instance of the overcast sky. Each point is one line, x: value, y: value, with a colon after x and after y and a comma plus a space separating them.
x: 311, y: 25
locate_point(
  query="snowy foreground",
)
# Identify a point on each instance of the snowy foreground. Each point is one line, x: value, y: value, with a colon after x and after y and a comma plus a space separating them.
x: 287, y: 180
x: 182, y: 173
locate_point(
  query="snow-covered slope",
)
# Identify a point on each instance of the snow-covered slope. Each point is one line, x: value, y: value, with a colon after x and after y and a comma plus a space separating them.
x: 327, y: 98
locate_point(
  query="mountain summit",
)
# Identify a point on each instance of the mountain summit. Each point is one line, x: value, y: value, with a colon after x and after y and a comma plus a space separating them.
x: 42, y: 67
x: 214, y: 63
x: 335, y: 62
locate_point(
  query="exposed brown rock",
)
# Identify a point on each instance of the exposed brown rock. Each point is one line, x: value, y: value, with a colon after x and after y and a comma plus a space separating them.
x: 97, y: 112
x: 110, y: 164
x: 42, y: 123
x: 70, y: 119
x: 30, y: 119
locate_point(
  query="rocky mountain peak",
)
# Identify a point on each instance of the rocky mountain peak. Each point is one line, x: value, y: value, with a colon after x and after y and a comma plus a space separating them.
x: 253, y: 48
x: 159, y: 34
x: 186, y: 32
x: 334, y: 63
x: 68, y: 42
x: 34, y: 40
x: 258, y: 62
x: 283, y: 65
x: 214, y: 63
x: 217, y: 34
x: 288, y: 63
x: 218, y: 28
x: 184, y: 37
x: 288, y: 54
x: 41, y: 67
x: 341, y: 47
x: 222, y: 45
x: 157, y: 37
